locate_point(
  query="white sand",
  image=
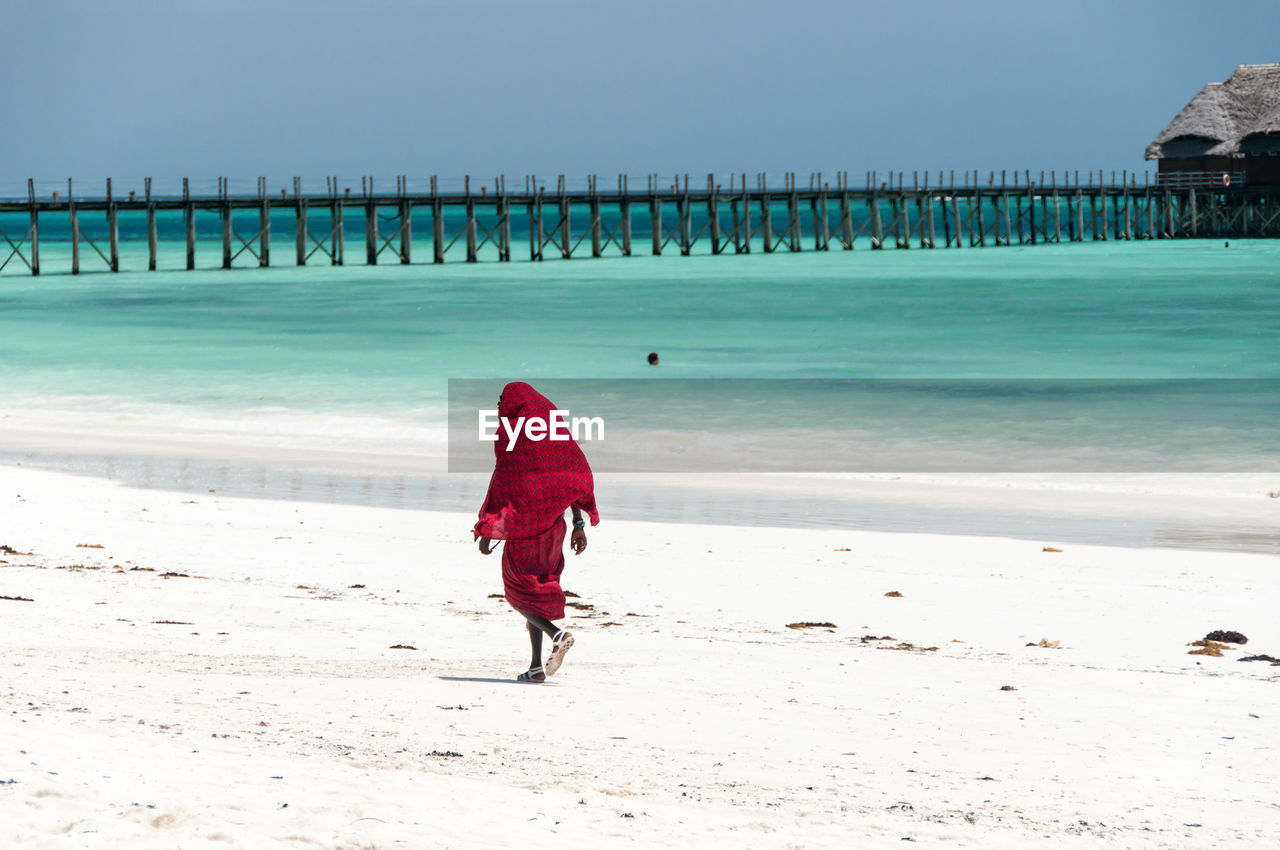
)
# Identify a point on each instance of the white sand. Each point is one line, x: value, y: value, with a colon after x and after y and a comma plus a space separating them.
x: 274, y: 713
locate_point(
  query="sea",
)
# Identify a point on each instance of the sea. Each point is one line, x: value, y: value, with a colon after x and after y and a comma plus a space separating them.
x: 333, y: 382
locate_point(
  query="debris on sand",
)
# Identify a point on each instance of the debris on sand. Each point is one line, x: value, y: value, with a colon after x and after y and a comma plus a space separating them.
x: 1045, y: 643
x: 1226, y: 637
x: 174, y: 575
x: 895, y: 594
x: 403, y: 646
x: 6, y: 549
x: 89, y: 546
x: 870, y: 638
x: 905, y: 646
x: 1275, y: 662
x: 16, y: 599
x: 1208, y: 647
x: 811, y: 625
x: 446, y: 754
x: 1007, y: 688
x: 1050, y: 549
x: 170, y: 623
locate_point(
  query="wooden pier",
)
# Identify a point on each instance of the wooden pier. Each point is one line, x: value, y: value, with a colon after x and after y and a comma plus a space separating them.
x: 739, y: 215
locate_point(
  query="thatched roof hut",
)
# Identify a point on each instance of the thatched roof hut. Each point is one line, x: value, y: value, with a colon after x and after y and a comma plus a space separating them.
x: 1224, y: 124
x: 1264, y: 136
x: 1207, y: 126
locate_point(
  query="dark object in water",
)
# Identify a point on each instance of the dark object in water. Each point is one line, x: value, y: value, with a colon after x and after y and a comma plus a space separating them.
x: 653, y: 358
x: 1226, y: 637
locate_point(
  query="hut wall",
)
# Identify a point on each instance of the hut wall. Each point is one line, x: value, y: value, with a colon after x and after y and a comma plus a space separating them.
x: 1262, y: 171
x: 1174, y: 165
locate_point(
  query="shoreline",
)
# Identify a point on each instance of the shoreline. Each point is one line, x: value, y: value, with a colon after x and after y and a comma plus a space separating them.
x: 254, y: 695
x: 1219, y: 512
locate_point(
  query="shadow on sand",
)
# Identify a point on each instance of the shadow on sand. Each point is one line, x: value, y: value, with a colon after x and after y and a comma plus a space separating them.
x: 511, y: 681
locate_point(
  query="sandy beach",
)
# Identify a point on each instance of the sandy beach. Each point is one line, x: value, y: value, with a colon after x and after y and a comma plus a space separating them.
x: 190, y: 669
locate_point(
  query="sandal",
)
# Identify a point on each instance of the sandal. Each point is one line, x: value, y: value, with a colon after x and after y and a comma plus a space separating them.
x: 534, y: 675
x: 560, y: 645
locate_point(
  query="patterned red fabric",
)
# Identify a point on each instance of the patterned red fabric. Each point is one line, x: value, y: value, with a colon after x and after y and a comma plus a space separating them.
x: 532, y: 486
x: 534, y: 483
x: 531, y: 570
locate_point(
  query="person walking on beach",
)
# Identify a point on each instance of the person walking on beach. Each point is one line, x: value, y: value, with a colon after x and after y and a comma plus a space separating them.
x: 532, y: 484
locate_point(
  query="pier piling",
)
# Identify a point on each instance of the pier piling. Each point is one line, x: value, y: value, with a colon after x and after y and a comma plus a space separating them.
x: 264, y: 230
x: 472, y: 249
x: 562, y: 202
x: 189, y: 220
x: 34, y: 231
x: 370, y: 226
x: 300, y: 223
x: 655, y: 220
x: 151, y: 228
x: 437, y: 225
x: 713, y: 215
x: 406, y: 232
x: 113, y: 230
x: 227, y: 230
x: 624, y: 210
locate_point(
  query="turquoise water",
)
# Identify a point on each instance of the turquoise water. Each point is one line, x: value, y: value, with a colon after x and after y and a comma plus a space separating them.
x: 358, y: 358
x: 372, y: 347
x: 386, y: 337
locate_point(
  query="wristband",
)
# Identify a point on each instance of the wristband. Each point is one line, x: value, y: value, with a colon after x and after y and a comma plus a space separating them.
x: 579, y: 523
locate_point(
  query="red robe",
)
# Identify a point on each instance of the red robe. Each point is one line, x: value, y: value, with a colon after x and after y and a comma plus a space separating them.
x: 532, y: 486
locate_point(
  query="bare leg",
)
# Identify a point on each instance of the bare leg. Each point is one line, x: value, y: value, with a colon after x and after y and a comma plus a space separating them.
x: 536, y: 625
x: 541, y: 624
x: 535, y: 639
x: 562, y: 641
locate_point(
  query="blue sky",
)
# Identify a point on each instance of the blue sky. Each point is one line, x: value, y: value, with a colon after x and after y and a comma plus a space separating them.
x: 449, y: 87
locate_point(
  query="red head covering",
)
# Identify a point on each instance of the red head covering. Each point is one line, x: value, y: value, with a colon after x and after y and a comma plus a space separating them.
x: 536, y: 481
